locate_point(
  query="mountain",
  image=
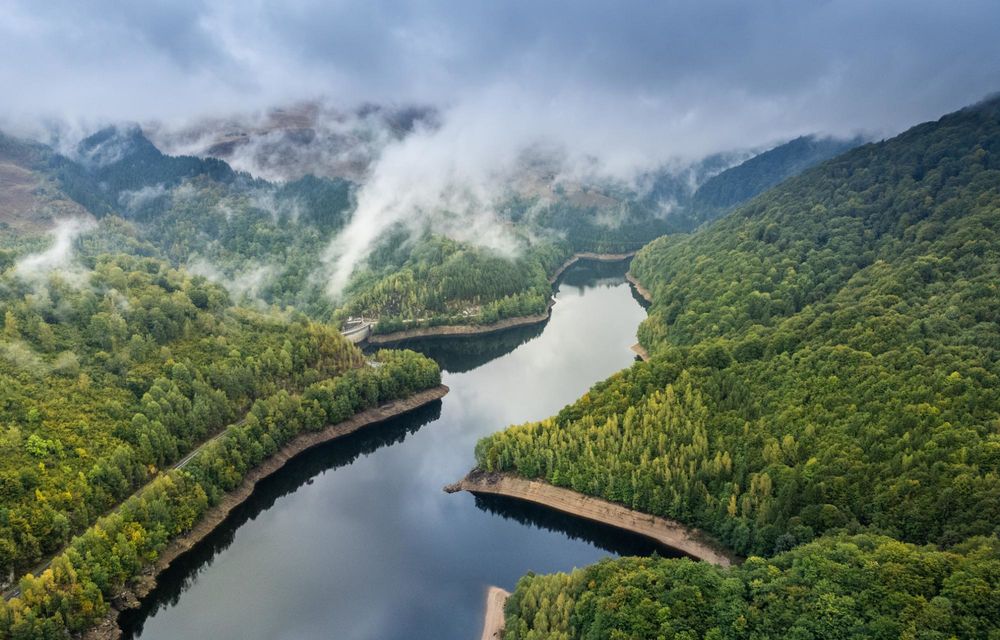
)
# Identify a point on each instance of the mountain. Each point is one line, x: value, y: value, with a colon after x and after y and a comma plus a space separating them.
x: 115, y: 164
x: 31, y: 200
x: 825, y: 362
x: 735, y: 185
x: 270, y: 242
x: 289, y: 143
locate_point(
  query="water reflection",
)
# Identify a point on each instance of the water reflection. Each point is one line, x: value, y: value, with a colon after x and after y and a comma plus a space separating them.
x: 602, y: 536
x: 589, y: 274
x: 301, y: 470
x: 376, y: 549
x: 461, y: 354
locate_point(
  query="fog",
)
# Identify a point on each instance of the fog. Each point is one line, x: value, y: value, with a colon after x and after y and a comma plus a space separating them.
x: 58, y: 256
x: 610, y: 91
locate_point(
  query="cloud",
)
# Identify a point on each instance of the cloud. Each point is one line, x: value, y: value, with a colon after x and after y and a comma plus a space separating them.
x: 611, y: 89
x: 137, y: 199
x: 836, y: 63
x: 289, y: 142
x: 244, y: 286
x: 59, y: 255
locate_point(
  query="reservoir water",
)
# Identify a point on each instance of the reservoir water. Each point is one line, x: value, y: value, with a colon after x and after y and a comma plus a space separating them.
x: 356, y: 539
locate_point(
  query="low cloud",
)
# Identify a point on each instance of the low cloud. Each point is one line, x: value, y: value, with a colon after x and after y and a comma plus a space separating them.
x: 454, y: 178
x: 287, y: 143
x: 139, y: 198
x: 245, y: 285
x: 611, y: 90
x: 59, y: 256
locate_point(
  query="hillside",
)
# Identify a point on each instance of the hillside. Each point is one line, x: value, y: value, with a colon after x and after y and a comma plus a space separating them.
x: 859, y: 586
x: 735, y: 185
x: 111, y: 373
x: 113, y: 370
x: 270, y: 242
x: 826, y: 359
x: 30, y: 199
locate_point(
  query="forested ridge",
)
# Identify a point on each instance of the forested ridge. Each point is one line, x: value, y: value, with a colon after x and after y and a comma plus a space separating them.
x: 112, y: 368
x: 268, y: 242
x: 74, y: 593
x: 737, y: 184
x: 861, y: 586
x: 114, y: 372
x: 826, y: 361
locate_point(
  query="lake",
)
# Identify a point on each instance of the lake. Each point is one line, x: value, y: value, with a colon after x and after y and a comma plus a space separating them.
x: 356, y: 539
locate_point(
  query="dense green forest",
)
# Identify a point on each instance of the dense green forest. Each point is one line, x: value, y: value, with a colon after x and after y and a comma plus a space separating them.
x: 729, y: 188
x: 113, y: 372
x: 73, y: 593
x: 441, y: 281
x: 115, y: 364
x: 267, y: 242
x: 191, y: 303
x: 838, y: 588
x: 826, y: 359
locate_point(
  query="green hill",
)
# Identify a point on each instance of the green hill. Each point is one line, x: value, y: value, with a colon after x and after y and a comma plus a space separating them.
x: 268, y: 242
x: 734, y: 186
x: 826, y: 359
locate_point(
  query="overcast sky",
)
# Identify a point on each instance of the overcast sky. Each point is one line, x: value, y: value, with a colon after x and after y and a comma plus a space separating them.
x: 614, y: 88
x: 833, y: 65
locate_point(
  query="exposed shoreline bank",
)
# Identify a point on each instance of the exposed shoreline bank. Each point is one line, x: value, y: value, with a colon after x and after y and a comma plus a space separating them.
x: 643, y: 292
x: 493, y: 625
x: 131, y: 597
x: 466, y: 330
x: 460, y: 330
x: 640, y: 351
x: 675, y: 535
x: 587, y: 255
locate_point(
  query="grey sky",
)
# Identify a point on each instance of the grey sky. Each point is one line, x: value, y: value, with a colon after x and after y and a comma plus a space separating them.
x: 615, y: 88
x: 833, y: 65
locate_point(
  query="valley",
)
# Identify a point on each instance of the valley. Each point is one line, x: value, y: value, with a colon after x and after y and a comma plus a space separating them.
x: 551, y: 321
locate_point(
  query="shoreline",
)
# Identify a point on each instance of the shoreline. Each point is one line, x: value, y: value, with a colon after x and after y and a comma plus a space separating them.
x: 688, y: 540
x: 588, y: 255
x: 493, y: 625
x: 640, y: 351
x: 469, y: 330
x: 643, y: 292
x: 131, y: 596
x: 460, y: 330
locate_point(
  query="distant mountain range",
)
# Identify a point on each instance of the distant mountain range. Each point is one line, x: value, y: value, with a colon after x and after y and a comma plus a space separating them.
x: 216, y: 210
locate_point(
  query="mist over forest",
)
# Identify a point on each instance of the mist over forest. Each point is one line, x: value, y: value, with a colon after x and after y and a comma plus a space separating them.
x: 231, y: 232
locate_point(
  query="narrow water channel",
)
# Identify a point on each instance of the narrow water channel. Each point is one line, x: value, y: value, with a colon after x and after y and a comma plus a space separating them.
x: 356, y: 539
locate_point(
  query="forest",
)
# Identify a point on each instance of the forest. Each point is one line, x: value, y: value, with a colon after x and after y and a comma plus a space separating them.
x: 267, y: 242
x: 836, y: 588
x: 112, y: 369
x: 114, y: 372
x: 74, y: 593
x: 192, y: 307
x: 826, y: 362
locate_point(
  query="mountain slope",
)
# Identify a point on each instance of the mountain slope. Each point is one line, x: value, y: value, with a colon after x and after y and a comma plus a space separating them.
x: 829, y: 352
x: 825, y: 358
x: 272, y: 243
x: 31, y: 201
x: 857, y: 587
x: 738, y: 184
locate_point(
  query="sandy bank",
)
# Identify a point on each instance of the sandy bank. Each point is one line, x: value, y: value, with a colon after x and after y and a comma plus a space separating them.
x: 586, y: 255
x: 460, y: 330
x: 673, y: 534
x: 640, y: 351
x: 646, y: 294
x: 108, y: 628
x: 496, y: 598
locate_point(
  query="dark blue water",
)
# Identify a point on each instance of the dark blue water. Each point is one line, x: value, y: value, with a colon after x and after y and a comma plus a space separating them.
x: 356, y: 539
